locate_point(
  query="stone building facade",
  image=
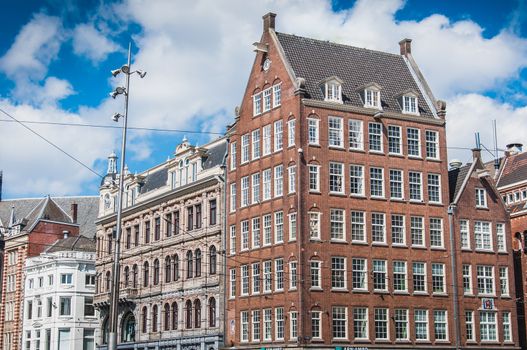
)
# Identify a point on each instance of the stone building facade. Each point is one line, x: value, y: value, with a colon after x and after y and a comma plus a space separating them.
x: 337, y: 202
x: 171, y: 269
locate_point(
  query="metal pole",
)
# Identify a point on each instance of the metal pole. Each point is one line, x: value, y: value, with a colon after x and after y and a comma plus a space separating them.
x: 453, y: 263
x: 114, y: 306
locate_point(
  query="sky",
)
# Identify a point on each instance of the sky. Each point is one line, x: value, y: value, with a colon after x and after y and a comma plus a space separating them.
x: 56, y: 57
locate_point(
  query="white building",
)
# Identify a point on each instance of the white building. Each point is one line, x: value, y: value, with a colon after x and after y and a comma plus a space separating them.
x: 58, y: 311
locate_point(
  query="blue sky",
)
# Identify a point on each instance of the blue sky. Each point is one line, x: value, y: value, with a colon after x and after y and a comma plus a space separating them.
x: 55, y: 58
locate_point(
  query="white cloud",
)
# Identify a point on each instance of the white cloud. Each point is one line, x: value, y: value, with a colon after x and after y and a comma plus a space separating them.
x: 90, y: 42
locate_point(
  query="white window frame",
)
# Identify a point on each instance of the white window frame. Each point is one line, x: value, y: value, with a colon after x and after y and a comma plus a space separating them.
x: 372, y: 98
x: 413, y: 185
x: 501, y: 239
x: 278, y: 227
x: 358, y: 226
x: 314, y: 227
x: 257, y: 104
x: 410, y: 137
x: 291, y: 183
x: 336, y: 132
x: 293, y: 275
x: 333, y: 91
x: 291, y: 132
x: 278, y: 136
x: 337, y: 218
x: 395, y: 135
x: 410, y: 105
x: 266, y: 131
x: 432, y: 145
x: 313, y: 134
x: 277, y: 95
x: 375, y: 135
x: 421, y: 266
x: 267, y: 186
x: 357, y: 180
x: 233, y: 158
x: 314, y: 174
x: 372, y: 179
x: 360, y: 274
x: 464, y: 233
x: 315, y: 268
x: 232, y: 206
x: 256, y: 144
x: 333, y: 168
x: 503, y: 272
x: 245, y: 192
x: 355, y: 135
x: 278, y: 180
x: 481, y: 198
x: 255, y: 188
x: 466, y: 271
x: 245, y: 149
x: 396, y: 184
x: 292, y: 219
x: 266, y: 100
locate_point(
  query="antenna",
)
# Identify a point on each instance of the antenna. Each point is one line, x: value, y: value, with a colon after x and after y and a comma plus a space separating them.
x: 496, y: 157
x: 478, y: 142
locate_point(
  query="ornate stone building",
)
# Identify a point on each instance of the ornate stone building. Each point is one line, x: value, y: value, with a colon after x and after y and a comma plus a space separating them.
x: 171, y: 269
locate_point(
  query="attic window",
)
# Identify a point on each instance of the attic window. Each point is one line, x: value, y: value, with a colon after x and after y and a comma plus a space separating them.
x: 410, y: 104
x: 333, y: 91
x: 372, y: 98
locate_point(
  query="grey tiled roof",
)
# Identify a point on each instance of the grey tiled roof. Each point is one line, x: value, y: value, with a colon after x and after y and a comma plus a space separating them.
x: 455, y: 180
x: 31, y: 209
x: 155, y: 180
x: 215, y: 155
x: 73, y: 243
x: 316, y: 60
x: 515, y: 170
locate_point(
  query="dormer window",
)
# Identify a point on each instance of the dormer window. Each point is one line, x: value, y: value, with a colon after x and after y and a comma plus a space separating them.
x: 372, y: 98
x: 332, y: 88
x: 410, y: 104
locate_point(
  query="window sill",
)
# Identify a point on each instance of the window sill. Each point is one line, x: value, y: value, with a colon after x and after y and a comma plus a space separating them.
x: 357, y: 150
x: 397, y: 155
x: 316, y: 240
x: 338, y: 241
x: 415, y: 157
x: 416, y: 201
x: 482, y: 208
x: 338, y: 194
x: 438, y: 248
x: 338, y: 148
x: 315, y: 289
x: 317, y: 145
x: 484, y: 251
x: 506, y: 297
x: 363, y: 291
x: 362, y: 196
x: 380, y: 291
x: 399, y: 245
x: 379, y: 244
x: 439, y: 294
x: 380, y: 153
x: 340, y: 290
x: 469, y: 295
x: 421, y: 293
x: 419, y: 247
x: 314, y: 192
x: 400, y: 200
x: 359, y: 242
x: 401, y: 292
x: 437, y: 160
x: 435, y: 204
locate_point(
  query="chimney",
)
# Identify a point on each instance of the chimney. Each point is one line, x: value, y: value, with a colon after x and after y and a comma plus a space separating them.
x: 74, y: 208
x: 268, y: 21
x: 455, y: 164
x: 405, y: 46
x: 66, y: 234
x: 476, y: 153
x: 514, y: 148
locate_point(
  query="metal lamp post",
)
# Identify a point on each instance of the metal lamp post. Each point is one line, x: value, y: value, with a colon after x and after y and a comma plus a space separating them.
x: 114, y: 305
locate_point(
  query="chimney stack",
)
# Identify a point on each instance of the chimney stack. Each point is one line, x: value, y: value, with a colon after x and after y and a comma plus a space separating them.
x: 514, y: 148
x: 476, y: 153
x: 406, y: 46
x: 268, y: 21
x: 74, y: 208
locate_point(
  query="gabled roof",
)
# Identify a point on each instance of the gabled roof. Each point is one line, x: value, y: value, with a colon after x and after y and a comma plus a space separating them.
x: 73, y: 243
x: 456, y: 177
x: 316, y: 60
x: 514, y: 170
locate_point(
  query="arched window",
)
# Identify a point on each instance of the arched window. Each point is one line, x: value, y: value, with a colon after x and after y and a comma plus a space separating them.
x: 155, y: 318
x: 167, y: 317
x: 174, y: 315
x: 144, y: 320
x: 168, y: 269
x: 212, y: 260
x: 105, y: 330
x: 175, y: 267
x: 189, y: 264
x: 197, y: 313
x: 156, y: 272
x: 126, y: 276
x: 128, y: 328
x: 134, y: 276
x: 188, y: 314
x: 212, y: 312
x: 146, y: 273
x: 198, y: 263
x: 108, y: 281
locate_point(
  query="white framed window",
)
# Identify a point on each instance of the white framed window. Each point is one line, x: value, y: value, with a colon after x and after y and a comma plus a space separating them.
x: 355, y: 135
x: 380, y: 276
x: 245, y: 235
x: 335, y: 132
x: 336, y: 178
x: 316, y: 324
x: 504, y: 281
x: 421, y: 324
x: 314, y: 225
x: 267, y: 278
x: 359, y: 274
x: 314, y: 178
x: 395, y: 141
x: 483, y: 235
x: 481, y: 198
x: 464, y: 233
x: 233, y: 157
x: 438, y: 278
x: 267, y: 99
x: 266, y: 174
x: 467, y: 279
x: 291, y: 132
x: 360, y: 323
x: 485, y: 279
x: 507, y: 330
x: 358, y: 230
x: 337, y: 224
x: 417, y: 231
x: 400, y: 276
x: 278, y: 180
x: 65, y: 306
x: 500, y: 238
x: 244, y: 326
x: 267, y: 238
x: 396, y: 184
x: 338, y: 273
x: 469, y: 326
x: 357, y: 180
x: 232, y: 205
x: 256, y: 232
x: 293, y: 265
x: 372, y: 98
x: 419, y: 277
x: 432, y: 144
x: 256, y: 278
x: 255, y: 188
x: 278, y: 135
x: 375, y: 137
x: 245, y: 148
x: 256, y: 150
x: 440, y: 325
x: 381, y: 323
x: 377, y: 182
x: 316, y: 278
x: 398, y: 230
x: 279, y: 275
x: 268, y: 319
x: 245, y: 192
x: 313, y: 131
x: 415, y: 181
x: 436, y: 233
x: 410, y: 104
x: 277, y: 95
x: 291, y: 172
x: 292, y: 226
x: 66, y: 278
x: 232, y: 240
x: 488, y: 326
x: 340, y: 322
x: 266, y: 140
x: 434, y: 188
x: 245, y: 279
x: 401, y: 324
x: 413, y: 137
x: 257, y: 104
x: 256, y: 325
x: 333, y: 91
x: 278, y: 227
x: 293, y: 325
x: 378, y: 228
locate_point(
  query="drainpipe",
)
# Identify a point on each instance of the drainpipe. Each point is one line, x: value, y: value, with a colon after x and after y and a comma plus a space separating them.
x: 224, y: 239
x: 453, y: 264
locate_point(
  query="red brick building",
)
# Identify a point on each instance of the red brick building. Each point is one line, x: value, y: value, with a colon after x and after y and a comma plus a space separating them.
x: 480, y: 224
x: 337, y: 202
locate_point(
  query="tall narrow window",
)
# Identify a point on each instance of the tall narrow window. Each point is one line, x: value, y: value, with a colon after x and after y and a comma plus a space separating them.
x: 415, y: 185
x: 316, y: 325
x: 381, y: 323
x: 256, y: 150
x: 396, y: 184
x: 156, y: 272
x: 278, y: 180
x: 266, y: 174
x: 213, y: 214
x: 256, y: 232
x: 434, y: 188
x: 507, y: 330
x: 467, y: 279
x: 399, y: 276
x: 378, y: 228
x: 315, y: 274
x: 398, y: 230
x: 313, y: 131
x: 355, y: 134
x: 440, y: 325
x: 401, y: 324
x: 335, y: 132
x: 438, y: 278
x: 232, y: 283
x: 232, y: 240
x: 279, y: 227
x: 245, y: 192
x: 357, y: 180
x: 314, y: 178
x: 465, y: 234
x: 481, y: 198
x: 377, y: 182
x: 256, y: 278
x: 267, y: 99
x: 256, y: 325
x: 314, y: 225
x: 357, y: 227
x: 245, y: 279
x: 337, y: 225
x: 436, y: 232
x: 485, y: 279
x: 469, y: 326
x: 267, y: 278
x: 267, y: 237
x: 257, y: 104
x: 419, y: 277
x: 500, y: 238
x: 371, y: 98
x: 394, y: 139
x: 291, y: 171
x: 245, y: 148
x: 432, y: 144
x: 380, y: 276
x: 410, y: 104
x: 292, y: 226
x: 359, y: 274
x: 291, y: 133
x: 338, y: 273
x: 414, y: 142
x: 233, y: 155
x: 279, y: 274
x: 293, y: 275
x: 255, y: 180
x: 375, y: 137
x: 278, y: 135
x: 340, y: 322
x: 421, y: 324
x: 267, y: 140
x: 198, y: 262
x: 277, y: 95
x: 245, y: 235
x: 244, y: 326
x: 336, y: 178
x: 212, y: 312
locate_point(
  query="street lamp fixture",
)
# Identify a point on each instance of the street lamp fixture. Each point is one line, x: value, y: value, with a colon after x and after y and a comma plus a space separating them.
x: 116, y: 117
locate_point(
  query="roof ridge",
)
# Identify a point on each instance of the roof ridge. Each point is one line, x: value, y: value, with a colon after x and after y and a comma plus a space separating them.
x: 54, y: 197
x: 339, y: 44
